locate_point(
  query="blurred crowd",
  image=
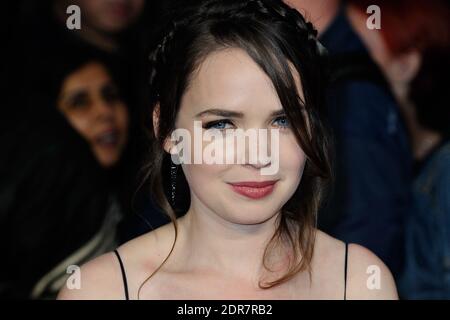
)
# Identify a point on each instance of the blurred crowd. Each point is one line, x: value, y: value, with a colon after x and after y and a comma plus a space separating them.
x: 73, y: 135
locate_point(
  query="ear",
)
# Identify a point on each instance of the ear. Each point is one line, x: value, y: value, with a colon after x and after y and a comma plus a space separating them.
x: 405, y: 67
x: 168, y: 146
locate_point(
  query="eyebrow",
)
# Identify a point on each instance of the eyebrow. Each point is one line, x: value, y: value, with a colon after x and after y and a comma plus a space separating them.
x: 69, y: 96
x: 234, y: 114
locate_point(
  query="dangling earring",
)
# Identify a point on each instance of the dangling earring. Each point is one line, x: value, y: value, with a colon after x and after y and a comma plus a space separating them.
x: 173, y: 182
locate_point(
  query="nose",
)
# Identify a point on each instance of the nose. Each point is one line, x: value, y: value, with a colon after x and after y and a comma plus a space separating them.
x: 255, y: 167
x: 260, y: 163
x: 103, y: 109
x: 257, y: 152
x: 257, y: 158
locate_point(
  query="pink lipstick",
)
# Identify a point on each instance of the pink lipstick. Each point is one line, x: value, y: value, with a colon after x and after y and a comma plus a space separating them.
x: 254, y: 189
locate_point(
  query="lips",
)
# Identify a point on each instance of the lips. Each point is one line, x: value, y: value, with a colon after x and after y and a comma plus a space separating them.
x: 254, y: 189
x: 109, y: 138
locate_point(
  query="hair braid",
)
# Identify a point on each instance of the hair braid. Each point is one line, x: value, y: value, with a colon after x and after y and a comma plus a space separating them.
x: 212, y: 11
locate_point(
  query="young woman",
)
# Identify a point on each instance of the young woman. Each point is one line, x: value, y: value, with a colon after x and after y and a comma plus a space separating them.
x: 238, y: 234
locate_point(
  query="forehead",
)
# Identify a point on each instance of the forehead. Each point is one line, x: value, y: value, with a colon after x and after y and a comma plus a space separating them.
x: 230, y: 79
x: 90, y: 75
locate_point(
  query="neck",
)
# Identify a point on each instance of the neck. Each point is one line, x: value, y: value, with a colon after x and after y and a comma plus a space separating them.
x: 320, y: 13
x: 423, y: 140
x: 424, y: 143
x: 100, y: 40
x: 209, y: 242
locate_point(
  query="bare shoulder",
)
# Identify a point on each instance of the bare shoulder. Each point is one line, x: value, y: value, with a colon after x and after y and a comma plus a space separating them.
x: 368, y: 277
x: 328, y: 251
x: 101, y: 278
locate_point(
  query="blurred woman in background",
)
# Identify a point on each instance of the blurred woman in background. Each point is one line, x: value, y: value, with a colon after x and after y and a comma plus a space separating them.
x: 90, y: 101
x: 62, y: 173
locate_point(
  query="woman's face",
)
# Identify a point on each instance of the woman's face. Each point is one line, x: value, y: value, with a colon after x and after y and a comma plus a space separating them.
x: 229, y: 91
x: 90, y: 101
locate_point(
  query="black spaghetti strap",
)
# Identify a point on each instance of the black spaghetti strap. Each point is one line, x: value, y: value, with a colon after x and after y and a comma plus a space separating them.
x: 345, y: 271
x: 124, y: 276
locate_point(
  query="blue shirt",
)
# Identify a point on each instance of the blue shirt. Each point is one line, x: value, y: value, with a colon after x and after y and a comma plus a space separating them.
x: 427, y: 263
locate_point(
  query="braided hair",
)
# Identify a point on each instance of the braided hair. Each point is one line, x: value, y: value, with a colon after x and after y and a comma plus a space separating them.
x: 226, y: 10
x: 279, y: 40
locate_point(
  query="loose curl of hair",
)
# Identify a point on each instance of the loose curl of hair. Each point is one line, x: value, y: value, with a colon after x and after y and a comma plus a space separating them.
x: 277, y: 38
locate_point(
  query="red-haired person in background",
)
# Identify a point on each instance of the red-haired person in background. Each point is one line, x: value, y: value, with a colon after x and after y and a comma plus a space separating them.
x: 413, y: 50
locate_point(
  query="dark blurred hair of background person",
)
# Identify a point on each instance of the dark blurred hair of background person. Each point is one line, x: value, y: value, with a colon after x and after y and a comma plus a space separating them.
x: 371, y: 195
x: 413, y: 49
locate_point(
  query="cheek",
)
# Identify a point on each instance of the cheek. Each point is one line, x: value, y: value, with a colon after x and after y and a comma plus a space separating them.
x: 122, y: 117
x: 92, y: 8
x: 292, y: 159
x: 82, y: 124
x: 200, y: 176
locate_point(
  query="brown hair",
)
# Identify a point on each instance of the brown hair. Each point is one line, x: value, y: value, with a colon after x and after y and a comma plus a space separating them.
x: 274, y: 36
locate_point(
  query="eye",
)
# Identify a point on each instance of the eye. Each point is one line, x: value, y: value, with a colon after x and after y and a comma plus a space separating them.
x: 78, y: 101
x: 219, y: 124
x: 281, y: 122
x: 110, y: 93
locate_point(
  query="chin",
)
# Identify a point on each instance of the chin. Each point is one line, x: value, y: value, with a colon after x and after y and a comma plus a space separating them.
x: 114, y: 25
x: 250, y: 216
x: 107, y: 163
